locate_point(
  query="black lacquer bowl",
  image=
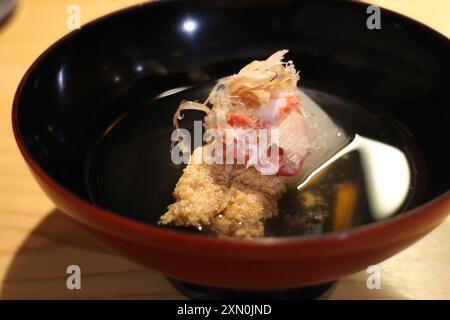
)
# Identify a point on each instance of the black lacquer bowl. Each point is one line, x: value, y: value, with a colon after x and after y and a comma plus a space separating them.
x: 108, y: 74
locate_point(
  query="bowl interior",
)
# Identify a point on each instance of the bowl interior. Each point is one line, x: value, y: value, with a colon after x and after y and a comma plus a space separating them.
x: 94, y: 112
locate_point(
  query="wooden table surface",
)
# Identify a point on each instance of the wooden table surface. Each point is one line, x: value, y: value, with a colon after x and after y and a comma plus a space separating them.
x: 38, y: 242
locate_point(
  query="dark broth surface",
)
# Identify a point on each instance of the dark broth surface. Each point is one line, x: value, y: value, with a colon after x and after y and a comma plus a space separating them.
x: 131, y: 172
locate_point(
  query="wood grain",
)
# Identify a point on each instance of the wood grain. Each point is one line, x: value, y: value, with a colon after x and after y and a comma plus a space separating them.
x: 38, y: 242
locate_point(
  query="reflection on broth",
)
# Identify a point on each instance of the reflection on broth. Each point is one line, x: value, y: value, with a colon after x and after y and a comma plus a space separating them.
x: 386, y: 171
x: 346, y: 191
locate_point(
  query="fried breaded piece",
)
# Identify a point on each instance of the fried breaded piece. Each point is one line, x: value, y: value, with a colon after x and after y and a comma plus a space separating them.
x: 228, y: 199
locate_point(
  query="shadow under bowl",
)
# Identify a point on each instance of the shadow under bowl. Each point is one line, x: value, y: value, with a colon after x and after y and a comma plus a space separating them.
x: 115, y: 66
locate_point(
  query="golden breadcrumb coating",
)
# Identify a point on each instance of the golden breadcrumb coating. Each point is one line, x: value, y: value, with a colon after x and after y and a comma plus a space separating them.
x: 227, y: 199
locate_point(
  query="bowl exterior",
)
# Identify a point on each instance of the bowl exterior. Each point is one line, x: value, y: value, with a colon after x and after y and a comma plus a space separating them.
x: 255, y: 264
